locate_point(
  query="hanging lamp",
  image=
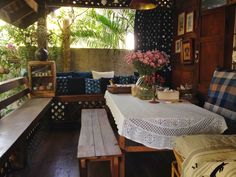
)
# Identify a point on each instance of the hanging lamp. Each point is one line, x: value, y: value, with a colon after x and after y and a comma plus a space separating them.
x: 142, y: 4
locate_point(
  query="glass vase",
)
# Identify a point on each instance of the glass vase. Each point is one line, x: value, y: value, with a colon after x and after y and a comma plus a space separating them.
x: 154, y: 95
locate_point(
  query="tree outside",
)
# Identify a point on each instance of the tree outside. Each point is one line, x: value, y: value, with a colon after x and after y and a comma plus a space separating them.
x: 90, y: 28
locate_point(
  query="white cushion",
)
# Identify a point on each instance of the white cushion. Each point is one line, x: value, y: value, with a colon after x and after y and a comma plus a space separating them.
x: 184, y: 145
x: 98, y: 75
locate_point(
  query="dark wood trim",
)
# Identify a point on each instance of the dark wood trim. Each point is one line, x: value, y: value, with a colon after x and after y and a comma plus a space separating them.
x: 12, y: 99
x: 231, y: 2
x: 214, y: 10
x: 87, y: 97
x: 5, y: 3
x: 20, y: 14
x: 12, y: 83
x: 32, y: 4
x: 63, y: 4
x: 229, y: 36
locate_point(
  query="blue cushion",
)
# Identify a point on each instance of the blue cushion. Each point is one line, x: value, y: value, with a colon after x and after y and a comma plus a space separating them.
x: 92, y: 86
x: 61, y: 74
x: 62, y: 85
x: 76, y: 86
x: 133, y: 79
x: 82, y: 74
x: 128, y: 79
x: 104, y: 83
x: 222, y: 94
x: 124, y: 80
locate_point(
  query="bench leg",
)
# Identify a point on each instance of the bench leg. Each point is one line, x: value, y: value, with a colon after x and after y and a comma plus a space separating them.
x: 83, y: 167
x: 122, y: 165
x: 115, y: 167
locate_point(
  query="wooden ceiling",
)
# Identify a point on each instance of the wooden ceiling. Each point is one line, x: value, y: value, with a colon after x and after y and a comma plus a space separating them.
x: 23, y: 13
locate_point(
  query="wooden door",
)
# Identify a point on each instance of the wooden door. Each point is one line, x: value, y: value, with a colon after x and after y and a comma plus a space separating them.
x: 215, y: 39
x: 211, y: 45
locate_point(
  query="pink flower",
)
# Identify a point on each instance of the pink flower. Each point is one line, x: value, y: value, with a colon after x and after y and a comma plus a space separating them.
x: 10, y: 46
x: 149, y: 61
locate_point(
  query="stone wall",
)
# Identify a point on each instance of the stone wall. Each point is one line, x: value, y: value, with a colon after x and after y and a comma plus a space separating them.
x: 100, y: 60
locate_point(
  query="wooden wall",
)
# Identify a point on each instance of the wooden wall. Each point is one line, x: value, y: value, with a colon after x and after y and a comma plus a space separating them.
x: 212, y: 39
x: 185, y: 73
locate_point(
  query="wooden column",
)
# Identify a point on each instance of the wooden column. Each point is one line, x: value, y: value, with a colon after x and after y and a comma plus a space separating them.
x: 66, y: 45
x: 42, y: 27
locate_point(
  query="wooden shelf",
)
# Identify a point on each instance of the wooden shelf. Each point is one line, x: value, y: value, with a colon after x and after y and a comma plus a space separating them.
x: 41, y: 76
x: 44, y: 83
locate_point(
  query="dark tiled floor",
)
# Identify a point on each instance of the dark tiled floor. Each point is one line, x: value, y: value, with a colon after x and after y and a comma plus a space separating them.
x: 55, y: 156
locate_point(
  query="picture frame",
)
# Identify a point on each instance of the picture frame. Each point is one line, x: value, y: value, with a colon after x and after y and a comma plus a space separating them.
x: 189, y: 22
x: 187, y: 51
x: 178, y: 46
x: 181, y: 23
x: 230, y: 2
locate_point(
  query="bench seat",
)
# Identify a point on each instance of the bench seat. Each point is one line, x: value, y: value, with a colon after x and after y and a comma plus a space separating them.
x: 97, y: 141
x: 13, y: 125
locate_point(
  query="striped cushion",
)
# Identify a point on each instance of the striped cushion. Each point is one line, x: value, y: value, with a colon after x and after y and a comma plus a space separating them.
x: 222, y: 94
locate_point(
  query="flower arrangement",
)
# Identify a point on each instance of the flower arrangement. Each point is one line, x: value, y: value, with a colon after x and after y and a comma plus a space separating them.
x: 9, y: 59
x: 149, y: 62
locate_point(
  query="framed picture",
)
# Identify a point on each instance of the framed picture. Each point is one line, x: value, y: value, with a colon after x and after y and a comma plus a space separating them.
x: 187, y: 52
x: 189, y: 22
x: 231, y: 2
x: 178, y: 46
x: 181, y: 23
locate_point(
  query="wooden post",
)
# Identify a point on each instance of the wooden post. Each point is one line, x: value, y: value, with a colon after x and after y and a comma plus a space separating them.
x: 66, y: 45
x: 42, y: 27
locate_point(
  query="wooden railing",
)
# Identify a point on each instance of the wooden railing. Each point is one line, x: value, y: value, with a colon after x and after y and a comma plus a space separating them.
x: 19, y: 83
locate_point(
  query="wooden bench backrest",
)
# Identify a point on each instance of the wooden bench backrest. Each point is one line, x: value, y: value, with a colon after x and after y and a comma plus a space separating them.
x: 10, y: 85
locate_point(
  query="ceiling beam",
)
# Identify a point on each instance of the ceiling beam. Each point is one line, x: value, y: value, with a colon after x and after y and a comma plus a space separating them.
x: 22, y: 17
x: 5, y: 3
x: 33, y: 5
x: 19, y: 14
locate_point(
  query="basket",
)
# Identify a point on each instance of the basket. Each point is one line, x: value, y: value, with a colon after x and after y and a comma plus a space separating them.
x: 179, y: 161
x: 119, y: 89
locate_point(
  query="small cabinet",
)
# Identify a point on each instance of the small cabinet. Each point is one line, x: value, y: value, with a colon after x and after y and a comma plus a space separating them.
x: 42, y: 78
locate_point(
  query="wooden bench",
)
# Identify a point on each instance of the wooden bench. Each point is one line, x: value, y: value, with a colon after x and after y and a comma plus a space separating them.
x: 97, y: 141
x: 17, y: 126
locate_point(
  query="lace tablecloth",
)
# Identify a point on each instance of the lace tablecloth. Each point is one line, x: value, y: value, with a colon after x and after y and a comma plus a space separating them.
x: 156, y: 125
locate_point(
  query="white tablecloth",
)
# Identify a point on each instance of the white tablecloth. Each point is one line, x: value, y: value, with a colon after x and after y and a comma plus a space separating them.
x: 156, y: 125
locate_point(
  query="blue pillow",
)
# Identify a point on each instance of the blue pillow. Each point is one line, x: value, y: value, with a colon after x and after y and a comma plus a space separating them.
x: 133, y: 79
x: 124, y: 80
x: 92, y: 86
x: 82, y: 74
x: 67, y: 74
x: 62, y: 85
x: 128, y: 79
x: 104, y: 83
x: 76, y: 86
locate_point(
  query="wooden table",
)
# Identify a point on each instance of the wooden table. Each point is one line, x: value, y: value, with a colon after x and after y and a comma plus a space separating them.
x: 154, y: 126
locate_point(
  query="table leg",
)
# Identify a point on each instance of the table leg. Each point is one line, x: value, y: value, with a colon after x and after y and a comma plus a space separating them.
x: 83, y: 167
x: 115, y: 167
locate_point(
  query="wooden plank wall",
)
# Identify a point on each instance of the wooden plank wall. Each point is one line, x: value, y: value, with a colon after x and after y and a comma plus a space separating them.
x: 212, y: 44
x: 185, y: 73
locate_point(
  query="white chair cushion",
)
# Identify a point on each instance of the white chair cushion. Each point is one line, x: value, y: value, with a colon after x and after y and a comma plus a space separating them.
x: 99, y: 75
x: 184, y: 145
